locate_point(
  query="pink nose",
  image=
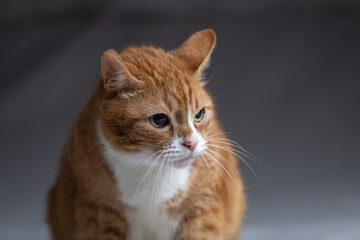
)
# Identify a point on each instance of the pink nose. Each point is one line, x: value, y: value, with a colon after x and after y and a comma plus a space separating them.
x: 191, y: 142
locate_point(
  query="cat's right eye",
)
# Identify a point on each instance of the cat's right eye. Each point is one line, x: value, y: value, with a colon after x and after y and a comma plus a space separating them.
x: 159, y: 120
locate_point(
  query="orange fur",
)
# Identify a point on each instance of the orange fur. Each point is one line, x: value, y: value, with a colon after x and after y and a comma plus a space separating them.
x: 84, y: 202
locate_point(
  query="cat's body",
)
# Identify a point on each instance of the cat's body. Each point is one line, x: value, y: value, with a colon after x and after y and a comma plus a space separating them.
x: 124, y: 176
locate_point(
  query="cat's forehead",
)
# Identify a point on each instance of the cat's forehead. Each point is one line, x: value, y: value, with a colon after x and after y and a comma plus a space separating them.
x: 148, y: 63
x: 179, y: 103
x: 166, y: 79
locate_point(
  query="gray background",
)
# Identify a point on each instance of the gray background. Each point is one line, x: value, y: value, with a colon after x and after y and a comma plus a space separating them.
x: 286, y: 84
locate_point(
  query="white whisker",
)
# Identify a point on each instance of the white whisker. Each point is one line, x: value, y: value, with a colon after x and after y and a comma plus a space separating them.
x: 143, y: 164
x: 237, y: 155
x: 147, y: 172
x: 223, y: 168
x: 237, y: 145
x: 156, y: 181
x: 219, y: 170
x: 212, y: 179
x: 230, y: 165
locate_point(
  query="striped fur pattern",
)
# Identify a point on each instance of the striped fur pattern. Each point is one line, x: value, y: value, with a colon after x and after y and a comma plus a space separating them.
x: 123, y: 178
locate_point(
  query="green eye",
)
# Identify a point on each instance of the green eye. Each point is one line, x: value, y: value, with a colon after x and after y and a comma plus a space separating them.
x: 159, y: 120
x: 200, y: 115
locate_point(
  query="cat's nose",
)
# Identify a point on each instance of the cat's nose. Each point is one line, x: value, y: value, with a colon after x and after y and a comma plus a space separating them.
x: 191, y: 142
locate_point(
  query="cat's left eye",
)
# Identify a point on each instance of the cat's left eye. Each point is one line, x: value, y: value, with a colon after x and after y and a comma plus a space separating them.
x: 200, y: 115
x: 159, y: 120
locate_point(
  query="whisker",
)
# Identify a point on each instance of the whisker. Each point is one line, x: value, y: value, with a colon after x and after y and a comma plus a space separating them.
x: 230, y: 165
x: 237, y: 148
x: 207, y: 167
x: 236, y: 144
x: 220, y: 94
x: 237, y: 155
x: 219, y: 170
x: 232, y: 179
x: 226, y: 161
x: 156, y: 179
x: 214, y: 74
x: 143, y: 164
x: 221, y: 133
x: 147, y: 172
x: 233, y: 148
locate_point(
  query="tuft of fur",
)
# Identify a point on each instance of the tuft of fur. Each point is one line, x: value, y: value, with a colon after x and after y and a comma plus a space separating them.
x: 122, y: 178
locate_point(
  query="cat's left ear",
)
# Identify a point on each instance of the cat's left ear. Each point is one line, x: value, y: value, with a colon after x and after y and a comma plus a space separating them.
x: 196, y: 50
x: 115, y: 74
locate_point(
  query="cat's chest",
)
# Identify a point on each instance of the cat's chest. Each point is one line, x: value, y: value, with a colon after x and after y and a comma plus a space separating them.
x: 144, y: 190
x: 149, y: 225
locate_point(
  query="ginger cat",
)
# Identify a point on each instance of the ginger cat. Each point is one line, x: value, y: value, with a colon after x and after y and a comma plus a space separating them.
x: 146, y: 157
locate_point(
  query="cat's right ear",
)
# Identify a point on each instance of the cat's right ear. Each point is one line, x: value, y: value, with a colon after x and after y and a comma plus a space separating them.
x: 116, y: 76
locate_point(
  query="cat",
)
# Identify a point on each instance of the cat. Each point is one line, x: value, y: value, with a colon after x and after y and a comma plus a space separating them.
x: 146, y: 157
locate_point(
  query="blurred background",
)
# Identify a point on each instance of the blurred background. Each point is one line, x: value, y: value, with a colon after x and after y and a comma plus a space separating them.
x: 285, y: 75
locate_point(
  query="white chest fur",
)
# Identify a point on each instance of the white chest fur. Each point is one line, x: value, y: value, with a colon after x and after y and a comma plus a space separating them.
x: 145, y: 195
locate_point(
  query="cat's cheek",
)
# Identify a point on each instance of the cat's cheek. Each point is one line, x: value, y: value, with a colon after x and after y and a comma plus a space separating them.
x: 202, y: 127
x: 154, y: 138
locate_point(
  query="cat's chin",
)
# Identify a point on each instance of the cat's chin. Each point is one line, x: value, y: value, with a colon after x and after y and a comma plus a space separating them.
x: 184, y: 162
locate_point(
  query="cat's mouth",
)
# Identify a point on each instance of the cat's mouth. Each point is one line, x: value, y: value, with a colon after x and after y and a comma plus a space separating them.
x: 181, y: 159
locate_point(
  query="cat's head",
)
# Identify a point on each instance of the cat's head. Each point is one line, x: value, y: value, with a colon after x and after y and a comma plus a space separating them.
x: 155, y: 101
